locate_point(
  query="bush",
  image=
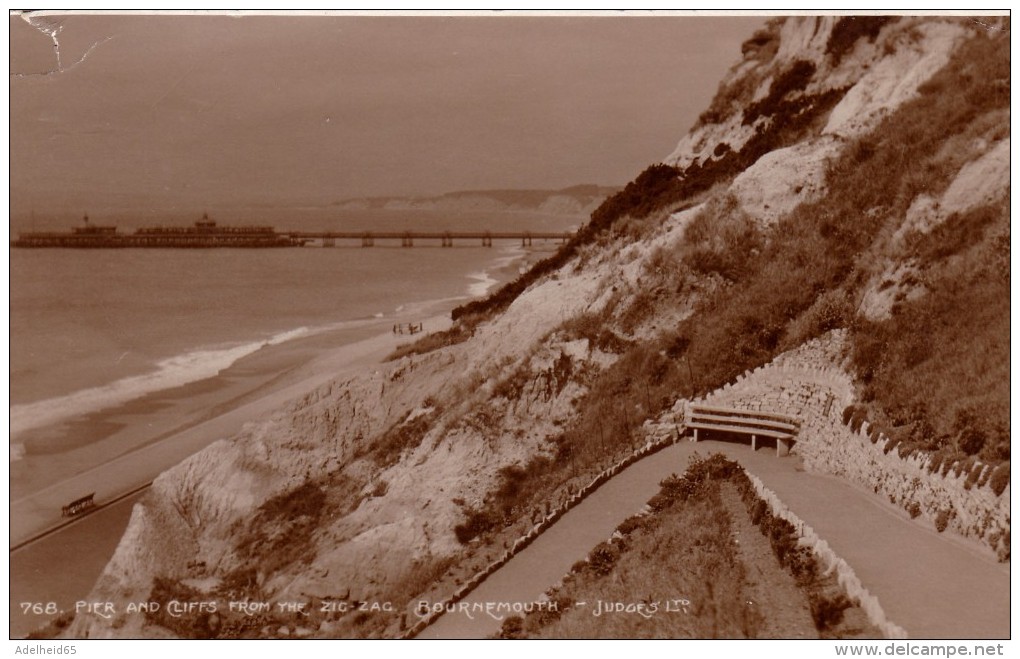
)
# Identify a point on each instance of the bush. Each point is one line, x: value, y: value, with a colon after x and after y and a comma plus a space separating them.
x: 848, y: 30
x: 947, y: 346
x: 459, y: 333
x: 305, y: 500
x: 1000, y: 479
x: 513, y: 628
x: 403, y: 436
x: 204, y: 625
x: 970, y: 436
x: 914, y: 509
x: 758, y: 512
x: 942, y: 521
x: 602, y: 558
x: 477, y: 523
x: 631, y: 524
x: 793, y: 79
x: 827, y: 610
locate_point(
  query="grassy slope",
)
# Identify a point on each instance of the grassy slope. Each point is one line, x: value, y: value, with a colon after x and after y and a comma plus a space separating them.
x: 762, y: 293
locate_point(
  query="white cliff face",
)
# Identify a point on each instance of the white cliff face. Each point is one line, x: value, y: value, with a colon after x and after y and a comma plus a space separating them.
x: 804, y: 37
x: 881, y: 75
x: 783, y: 179
x: 884, y: 81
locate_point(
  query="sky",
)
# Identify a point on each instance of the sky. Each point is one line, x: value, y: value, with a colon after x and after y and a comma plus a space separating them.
x: 184, y: 113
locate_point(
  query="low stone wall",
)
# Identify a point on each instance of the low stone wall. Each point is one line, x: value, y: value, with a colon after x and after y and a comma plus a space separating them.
x: 653, y: 445
x: 831, y: 562
x: 975, y: 512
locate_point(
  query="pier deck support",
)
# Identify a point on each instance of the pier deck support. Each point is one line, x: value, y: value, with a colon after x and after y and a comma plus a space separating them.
x: 329, y: 242
x: 367, y: 240
x: 407, y: 241
x: 447, y: 240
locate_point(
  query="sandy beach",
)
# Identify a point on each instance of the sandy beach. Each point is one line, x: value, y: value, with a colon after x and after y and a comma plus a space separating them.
x: 156, y: 432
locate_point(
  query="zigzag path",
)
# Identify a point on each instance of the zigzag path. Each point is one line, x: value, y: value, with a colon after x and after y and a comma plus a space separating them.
x: 928, y: 584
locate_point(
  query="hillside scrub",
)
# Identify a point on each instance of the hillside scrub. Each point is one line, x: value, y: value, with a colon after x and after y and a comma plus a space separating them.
x: 813, y: 252
x: 938, y: 369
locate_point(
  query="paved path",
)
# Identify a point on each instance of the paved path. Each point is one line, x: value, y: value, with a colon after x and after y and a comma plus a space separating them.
x: 928, y: 584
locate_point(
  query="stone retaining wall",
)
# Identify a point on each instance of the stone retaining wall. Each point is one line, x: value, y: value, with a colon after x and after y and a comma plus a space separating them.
x: 810, y: 383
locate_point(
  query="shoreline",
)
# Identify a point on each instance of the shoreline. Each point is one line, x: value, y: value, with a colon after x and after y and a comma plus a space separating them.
x: 123, y: 448
x: 67, y: 447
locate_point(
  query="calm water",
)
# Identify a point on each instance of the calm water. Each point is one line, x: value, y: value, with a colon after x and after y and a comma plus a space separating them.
x: 94, y: 328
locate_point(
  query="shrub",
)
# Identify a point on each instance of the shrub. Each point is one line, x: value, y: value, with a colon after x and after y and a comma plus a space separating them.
x: 631, y: 524
x: 305, y: 500
x: 403, y: 436
x: 1000, y: 479
x: 602, y: 558
x: 660, y: 502
x: 204, y: 625
x: 914, y: 509
x: 513, y: 628
x: 827, y: 610
x: 970, y: 436
x: 848, y: 30
x: 793, y: 79
x: 477, y: 523
x: 948, y: 345
x: 942, y: 521
x: 758, y: 512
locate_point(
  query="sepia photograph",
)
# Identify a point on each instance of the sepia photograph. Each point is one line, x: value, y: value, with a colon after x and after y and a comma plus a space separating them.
x: 339, y: 325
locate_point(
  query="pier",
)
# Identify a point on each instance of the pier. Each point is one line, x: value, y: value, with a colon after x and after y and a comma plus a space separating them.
x: 206, y: 233
x: 408, y: 238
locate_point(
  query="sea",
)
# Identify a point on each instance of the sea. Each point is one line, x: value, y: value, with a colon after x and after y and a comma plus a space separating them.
x: 93, y: 329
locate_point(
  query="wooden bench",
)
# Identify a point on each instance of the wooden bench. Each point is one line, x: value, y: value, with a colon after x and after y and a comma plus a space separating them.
x: 781, y: 427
